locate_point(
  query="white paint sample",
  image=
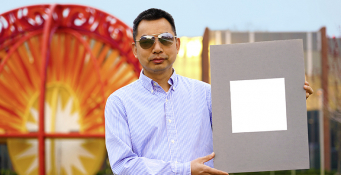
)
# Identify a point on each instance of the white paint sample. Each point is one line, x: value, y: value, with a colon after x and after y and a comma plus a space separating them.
x: 258, y: 105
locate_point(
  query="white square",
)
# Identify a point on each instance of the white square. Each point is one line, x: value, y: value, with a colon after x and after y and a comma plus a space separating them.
x: 258, y: 105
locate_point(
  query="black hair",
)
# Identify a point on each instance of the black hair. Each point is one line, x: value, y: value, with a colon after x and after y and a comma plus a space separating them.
x: 152, y: 14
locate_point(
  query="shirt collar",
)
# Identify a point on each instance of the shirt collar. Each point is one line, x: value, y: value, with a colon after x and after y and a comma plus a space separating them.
x: 148, y: 83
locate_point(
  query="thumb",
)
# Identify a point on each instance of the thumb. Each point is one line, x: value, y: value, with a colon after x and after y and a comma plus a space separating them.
x: 208, y: 157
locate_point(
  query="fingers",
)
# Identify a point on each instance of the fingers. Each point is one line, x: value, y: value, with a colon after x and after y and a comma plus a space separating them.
x: 307, y: 89
x: 207, y: 158
x: 214, y: 171
x: 306, y: 83
x: 198, y: 167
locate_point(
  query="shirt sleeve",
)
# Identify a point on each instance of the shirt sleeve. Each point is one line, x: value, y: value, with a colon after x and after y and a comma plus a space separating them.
x: 209, y: 100
x: 119, y: 146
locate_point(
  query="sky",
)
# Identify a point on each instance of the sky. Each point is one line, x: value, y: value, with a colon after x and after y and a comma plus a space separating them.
x: 193, y: 16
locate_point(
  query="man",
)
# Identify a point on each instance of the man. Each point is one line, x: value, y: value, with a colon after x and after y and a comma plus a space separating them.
x: 161, y: 123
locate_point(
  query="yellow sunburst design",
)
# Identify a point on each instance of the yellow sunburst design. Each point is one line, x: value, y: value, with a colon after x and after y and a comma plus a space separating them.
x: 63, y: 156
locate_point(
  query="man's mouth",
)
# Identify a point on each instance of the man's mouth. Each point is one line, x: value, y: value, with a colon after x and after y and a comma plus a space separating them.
x: 158, y: 60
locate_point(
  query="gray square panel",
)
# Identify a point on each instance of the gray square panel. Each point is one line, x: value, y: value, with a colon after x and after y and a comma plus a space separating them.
x: 259, y: 151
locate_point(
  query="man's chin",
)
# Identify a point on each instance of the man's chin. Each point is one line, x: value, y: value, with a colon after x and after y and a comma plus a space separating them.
x: 158, y: 70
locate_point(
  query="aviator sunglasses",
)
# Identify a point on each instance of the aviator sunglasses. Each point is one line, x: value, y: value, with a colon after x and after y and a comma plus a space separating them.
x: 147, y: 41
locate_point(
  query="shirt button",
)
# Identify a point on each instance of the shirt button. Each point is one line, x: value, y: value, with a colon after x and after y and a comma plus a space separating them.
x: 169, y: 120
x: 172, y: 141
x: 152, y: 91
x: 154, y: 84
x: 166, y: 100
x: 173, y: 88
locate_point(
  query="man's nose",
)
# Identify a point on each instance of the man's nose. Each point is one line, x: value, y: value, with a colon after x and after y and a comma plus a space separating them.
x: 157, y: 47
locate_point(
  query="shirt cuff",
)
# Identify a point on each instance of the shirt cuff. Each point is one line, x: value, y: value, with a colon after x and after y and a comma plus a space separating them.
x: 183, y: 168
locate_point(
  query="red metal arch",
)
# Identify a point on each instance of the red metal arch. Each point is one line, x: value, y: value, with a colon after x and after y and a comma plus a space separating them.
x: 85, y: 20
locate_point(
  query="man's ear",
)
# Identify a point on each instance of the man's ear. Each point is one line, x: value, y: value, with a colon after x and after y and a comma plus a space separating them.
x: 177, y: 44
x: 133, y: 47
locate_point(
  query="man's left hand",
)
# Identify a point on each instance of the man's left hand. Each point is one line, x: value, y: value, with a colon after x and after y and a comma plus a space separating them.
x: 308, y: 89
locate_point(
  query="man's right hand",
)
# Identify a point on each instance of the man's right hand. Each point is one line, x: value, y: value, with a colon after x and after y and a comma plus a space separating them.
x: 198, y: 166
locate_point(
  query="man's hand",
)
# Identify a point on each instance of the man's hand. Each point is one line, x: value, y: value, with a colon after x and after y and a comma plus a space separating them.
x: 198, y: 167
x: 308, y: 89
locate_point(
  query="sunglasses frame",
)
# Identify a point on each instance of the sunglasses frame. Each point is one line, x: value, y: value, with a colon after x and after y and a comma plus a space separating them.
x: 158, y: 37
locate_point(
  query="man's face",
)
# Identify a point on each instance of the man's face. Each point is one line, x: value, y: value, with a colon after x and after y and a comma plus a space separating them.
x: 159, y: 58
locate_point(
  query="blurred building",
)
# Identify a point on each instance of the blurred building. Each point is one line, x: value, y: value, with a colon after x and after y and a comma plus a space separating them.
x: 188, y: 61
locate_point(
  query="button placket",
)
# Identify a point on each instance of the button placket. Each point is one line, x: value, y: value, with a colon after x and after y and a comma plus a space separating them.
x: 171, y: 128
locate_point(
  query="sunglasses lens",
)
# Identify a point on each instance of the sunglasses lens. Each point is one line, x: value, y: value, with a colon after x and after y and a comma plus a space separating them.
x: 146, y: 42
x: 166, y: 39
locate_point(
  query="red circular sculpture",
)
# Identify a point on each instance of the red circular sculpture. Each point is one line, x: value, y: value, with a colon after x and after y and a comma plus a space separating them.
x: 107, y: 56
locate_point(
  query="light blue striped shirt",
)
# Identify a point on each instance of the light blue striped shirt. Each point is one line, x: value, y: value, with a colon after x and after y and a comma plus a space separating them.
x: 150, y: 131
